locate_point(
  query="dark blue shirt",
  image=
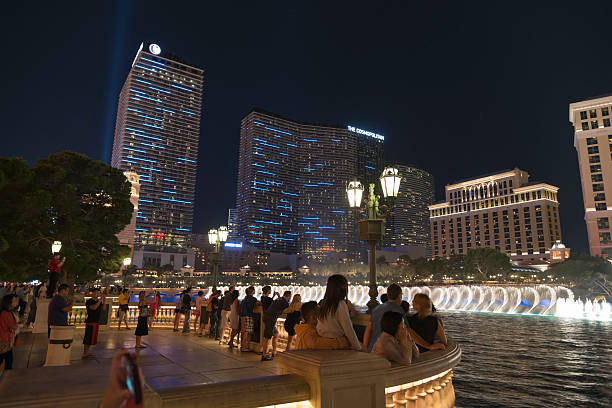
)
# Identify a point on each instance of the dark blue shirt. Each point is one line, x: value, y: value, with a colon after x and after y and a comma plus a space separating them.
x: 56, y: 316
x: 247, y: 305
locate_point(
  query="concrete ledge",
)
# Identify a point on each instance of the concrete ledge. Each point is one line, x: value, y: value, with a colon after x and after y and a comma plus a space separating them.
x: 253, y: 392
x: 428, y: 364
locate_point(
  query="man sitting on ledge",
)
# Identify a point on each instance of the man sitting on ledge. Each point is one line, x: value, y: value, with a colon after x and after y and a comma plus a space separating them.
x: 307, y: 336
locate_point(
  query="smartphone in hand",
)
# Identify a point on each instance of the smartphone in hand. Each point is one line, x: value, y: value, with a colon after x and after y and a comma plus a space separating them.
x: 133, y: 381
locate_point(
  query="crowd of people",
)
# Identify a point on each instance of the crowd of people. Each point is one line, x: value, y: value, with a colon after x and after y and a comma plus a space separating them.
x: 392, y: 331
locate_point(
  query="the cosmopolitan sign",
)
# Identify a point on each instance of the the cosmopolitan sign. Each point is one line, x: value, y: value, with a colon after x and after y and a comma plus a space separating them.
x: 365, y: 132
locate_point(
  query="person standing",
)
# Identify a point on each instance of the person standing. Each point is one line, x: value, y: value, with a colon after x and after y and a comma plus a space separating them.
x: 122, y: 313
x: 212, y: 309
x: 292, y: 318
x: 234, y: 318
x: 154, y: 307
x: 270, y: 317
x: 197, y: 313
x: 225, y: 311
x: 246, y: 317
x: 266, y: 300
x: 55, y: 269
x: 59, y: 308
x: 92, y: 323
x: 8, y: 329
x: 142, y: 328
x: 186, y: 309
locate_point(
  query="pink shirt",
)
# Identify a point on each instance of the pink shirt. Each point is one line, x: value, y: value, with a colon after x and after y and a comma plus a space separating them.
x: 392, y: 349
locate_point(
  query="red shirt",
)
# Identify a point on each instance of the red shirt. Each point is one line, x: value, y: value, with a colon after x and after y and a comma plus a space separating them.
x: 54, y: 265
x: 8, y: 326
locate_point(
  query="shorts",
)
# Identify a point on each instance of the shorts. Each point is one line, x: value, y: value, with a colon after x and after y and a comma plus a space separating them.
x: 247, y: 324
x: 91, y: 334
x: 270, y: 329
x: 289, y: 328
x: 124, y: 308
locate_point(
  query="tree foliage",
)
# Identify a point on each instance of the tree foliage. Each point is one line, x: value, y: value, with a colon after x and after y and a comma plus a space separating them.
x: 488, y: 263
x: 70, y: 198
x: 589, y: 273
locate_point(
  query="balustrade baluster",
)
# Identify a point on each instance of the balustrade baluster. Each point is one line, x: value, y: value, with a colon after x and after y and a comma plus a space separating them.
x: 411, y: 397
x: 429, y: 400
x: 399, y: 399
x: 421, y: 394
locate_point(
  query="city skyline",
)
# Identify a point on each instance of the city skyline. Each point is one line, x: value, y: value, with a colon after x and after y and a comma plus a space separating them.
x: 505, y: 93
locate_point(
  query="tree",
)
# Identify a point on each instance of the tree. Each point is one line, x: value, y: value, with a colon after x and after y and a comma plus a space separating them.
x: 23, y: 213
x: 70, y: 198
x: 487, y: 262
x: 588, y: 273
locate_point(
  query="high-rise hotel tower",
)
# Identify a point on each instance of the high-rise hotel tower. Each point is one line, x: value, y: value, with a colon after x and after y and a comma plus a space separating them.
x: 408, y: 223
x: 292, y: 178
x: 501, y: 210
x: 593, y: 142
x: 156, y: 136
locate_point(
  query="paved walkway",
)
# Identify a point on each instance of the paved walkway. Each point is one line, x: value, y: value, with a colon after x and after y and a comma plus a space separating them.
x: 170, y: 360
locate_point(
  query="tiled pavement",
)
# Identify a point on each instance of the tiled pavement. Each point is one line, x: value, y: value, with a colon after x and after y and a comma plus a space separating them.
x: 170, y: 360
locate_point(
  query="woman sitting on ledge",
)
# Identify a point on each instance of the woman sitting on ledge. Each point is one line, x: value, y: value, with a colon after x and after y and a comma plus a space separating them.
x: 307, y: 336
x: 334, y: 318
x: 425, y: 323
x: 394, y: 343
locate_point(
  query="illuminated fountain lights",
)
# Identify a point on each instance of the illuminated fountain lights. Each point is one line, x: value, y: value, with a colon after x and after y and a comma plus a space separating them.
x: 540, y: 300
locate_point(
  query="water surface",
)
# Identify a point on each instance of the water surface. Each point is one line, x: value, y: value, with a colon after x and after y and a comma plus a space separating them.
x: 531, y: 361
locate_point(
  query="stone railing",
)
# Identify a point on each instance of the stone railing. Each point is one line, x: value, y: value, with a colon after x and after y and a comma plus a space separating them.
x: 163, y: 318
x: 427, y: 382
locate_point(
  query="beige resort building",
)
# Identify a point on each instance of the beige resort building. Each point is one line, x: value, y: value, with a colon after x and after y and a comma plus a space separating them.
x: 502, y: 210
x: 593, y: 143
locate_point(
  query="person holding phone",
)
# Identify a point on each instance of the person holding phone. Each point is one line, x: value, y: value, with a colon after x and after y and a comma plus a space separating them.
x: 122, y: 313
x: 55, y: 269
x: 125, y: 383
x: 92, y: 323
x: 142, y: 328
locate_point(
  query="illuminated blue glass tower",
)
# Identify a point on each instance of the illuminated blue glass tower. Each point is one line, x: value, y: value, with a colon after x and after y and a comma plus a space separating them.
x: 157, y: 136
x: 292, y: 177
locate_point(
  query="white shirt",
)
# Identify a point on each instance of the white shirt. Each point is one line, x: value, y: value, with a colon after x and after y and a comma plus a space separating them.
x: 339, y: 324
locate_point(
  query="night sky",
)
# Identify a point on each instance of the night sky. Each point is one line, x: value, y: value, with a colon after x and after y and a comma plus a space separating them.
x: 457, y: 89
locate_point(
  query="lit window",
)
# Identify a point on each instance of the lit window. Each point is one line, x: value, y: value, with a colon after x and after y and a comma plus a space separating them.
x: 593, y: 113
x: 593, y: 149
x: 594, y: 124
x: 603, y: 223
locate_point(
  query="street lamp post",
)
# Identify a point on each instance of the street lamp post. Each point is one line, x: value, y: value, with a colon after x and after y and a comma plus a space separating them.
x: 217, y: 237
x: 372, y: 227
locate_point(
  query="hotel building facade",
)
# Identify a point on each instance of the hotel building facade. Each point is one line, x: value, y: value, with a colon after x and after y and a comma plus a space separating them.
x: 503, y: 211
x: 408, y: 224
x: 593, y: 142
x: 291, y: 191
x: 156, y: 137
